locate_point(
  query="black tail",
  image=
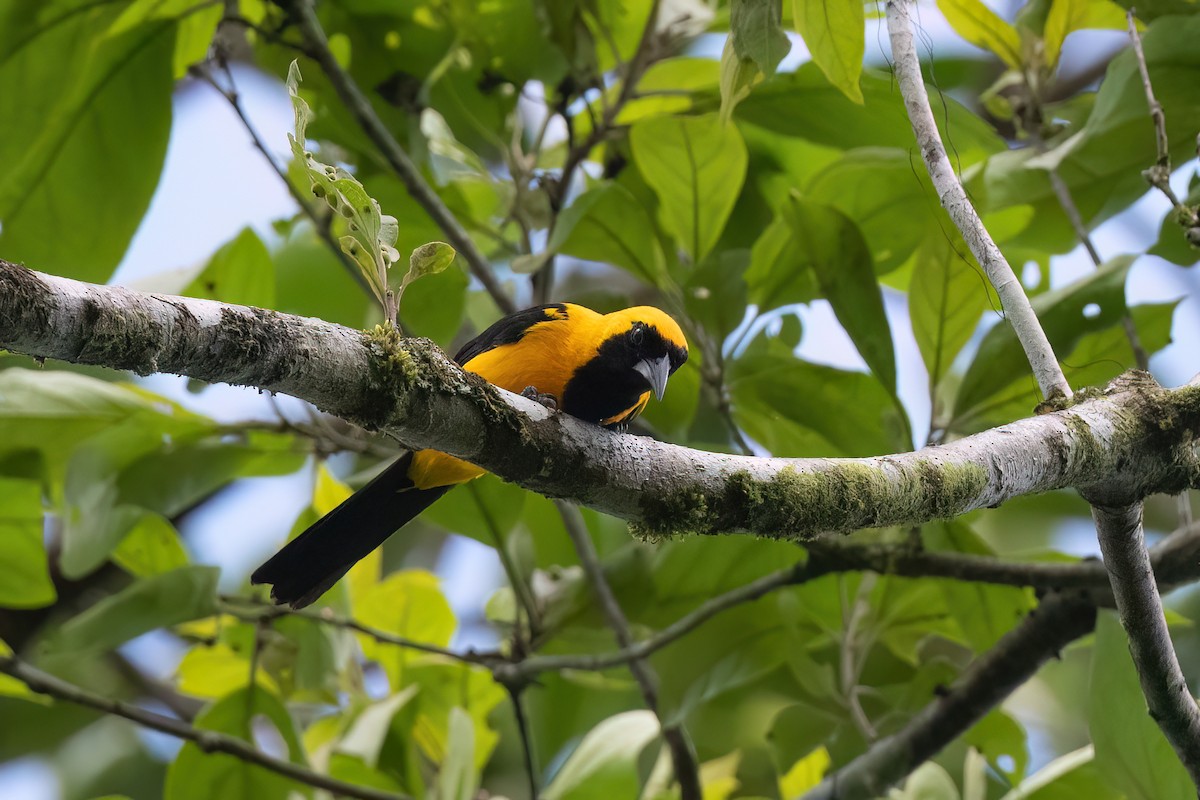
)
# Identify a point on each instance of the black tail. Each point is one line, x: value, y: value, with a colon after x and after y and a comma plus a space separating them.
x: 309, y: 565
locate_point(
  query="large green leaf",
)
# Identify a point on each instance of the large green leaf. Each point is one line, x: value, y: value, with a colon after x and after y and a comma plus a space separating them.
x: 1131, y: 751
x: 87, y: 114
x: 794, y: 408
x: 756, y: 33
x: 890, y: 201
x: 1101, y: 162
x: 946, y: 299
x: 1096, y: 359
x: 197, y: 775
x: 835, y: 250
x: 805, y: 105
x: 604, y: 764
x: 158, y: 601
x: 25, y: 578
x: 407, y: 604
x: 1067, y: 314
x: 834, y: 31
x: 696, y: 166
x: 984, y: 612
x: 980, y: 26
x: 606, y: 223
x: 241, y: 272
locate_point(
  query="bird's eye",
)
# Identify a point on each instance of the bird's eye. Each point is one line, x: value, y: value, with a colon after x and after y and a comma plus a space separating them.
x: 637, y: 335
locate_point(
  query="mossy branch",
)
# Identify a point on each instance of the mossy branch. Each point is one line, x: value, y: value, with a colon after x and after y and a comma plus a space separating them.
x: 1123, y: 443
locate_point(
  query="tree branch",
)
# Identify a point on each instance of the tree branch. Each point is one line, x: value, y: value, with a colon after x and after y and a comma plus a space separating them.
x: 1171, y: 703
x: 360, y: 108
x: 207, y: 741
x: 1130, y: 441
x: 1054, y: 624
x: 954, y: 199
x: 687, y: 771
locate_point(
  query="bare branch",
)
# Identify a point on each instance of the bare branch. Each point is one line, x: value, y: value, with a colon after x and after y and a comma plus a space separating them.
x: 1132, y: 440
x: 954, y: 199
x: 360, y: 108
x: 254, y: 610
x: 1171, y: 702
x: 1156, y: 109
x: 687, y: 771
x: 208, y: 741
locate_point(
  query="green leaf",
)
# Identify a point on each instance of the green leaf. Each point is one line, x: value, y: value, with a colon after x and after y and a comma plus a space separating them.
x: 158, y: 601
x: 428, y: 259
x: 946, y: 300
x: 213, y: 671
x: 738, y: 77
x: 434, y: 307
x: 804, y: 105
x: 1131, y: 751
x: 749, y: 661
x: 241, y: 272
x: 445, y: 687
x: 11, y: 687
x: 1172, y: 243
x: 780, y: 273
x: 997, y: 735
x: 980, y: 26
x: 930, y: 781
x: 25, y: 579
x: 1101, y: 162
x: 834, y: 31
x: 151, y: 548
x: 841, y: 261
x: 696, y: 166
x: 87, y: 118
x: 607, y: 224
x: 795, y: 408
x: 890, y: 202
x: 52, y: 412
x: 604, y: 764
x: 407, y: 604
x: 1068, y: 16
x: 456, y: 779
x: 984, y: 613
x: 368, y: 734
x: 372, y: 235
x: 757, y: 34
x: 1001, y: 360
x: 1066, y: 778
x: 196, y: 775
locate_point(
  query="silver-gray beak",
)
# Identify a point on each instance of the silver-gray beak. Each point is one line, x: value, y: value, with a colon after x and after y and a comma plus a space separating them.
x: 655, y: 371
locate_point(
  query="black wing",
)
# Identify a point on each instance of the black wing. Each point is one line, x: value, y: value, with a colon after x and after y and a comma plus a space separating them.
x: 508, y: 330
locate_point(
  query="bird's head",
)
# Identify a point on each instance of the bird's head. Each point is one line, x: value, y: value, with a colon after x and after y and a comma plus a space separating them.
x: 648, y: 342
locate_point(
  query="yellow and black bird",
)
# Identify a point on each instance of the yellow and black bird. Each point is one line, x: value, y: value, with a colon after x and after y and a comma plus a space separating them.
x: 600, y: 368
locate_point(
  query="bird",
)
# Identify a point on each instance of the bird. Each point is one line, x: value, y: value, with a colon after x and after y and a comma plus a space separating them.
x: 600, y: 368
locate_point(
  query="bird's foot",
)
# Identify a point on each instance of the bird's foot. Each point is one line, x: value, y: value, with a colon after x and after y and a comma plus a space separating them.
x: 547, y: 400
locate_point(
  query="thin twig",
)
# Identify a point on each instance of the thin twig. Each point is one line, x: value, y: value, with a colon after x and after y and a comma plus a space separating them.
x: 320, y: 224
x: 687, y: 771
x: 254, y: 610
x: 577, y: 152
x: 1171, y: 703
x: 207, y: 741
x: 514, y: 694
x: 360, y: 108
x: 954, y: 199
x: 1156, y: 109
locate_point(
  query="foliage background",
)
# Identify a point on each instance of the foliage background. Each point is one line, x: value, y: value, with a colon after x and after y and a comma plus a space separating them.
x: 771, y: 247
